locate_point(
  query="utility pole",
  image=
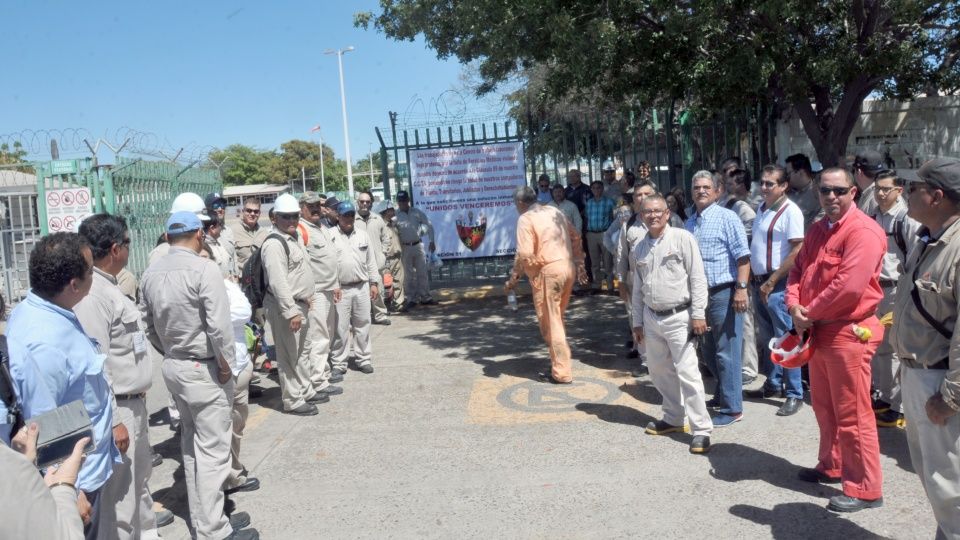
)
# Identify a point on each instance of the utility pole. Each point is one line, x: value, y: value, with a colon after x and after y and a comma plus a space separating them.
x: 343, y: 107
x: 303, y: 178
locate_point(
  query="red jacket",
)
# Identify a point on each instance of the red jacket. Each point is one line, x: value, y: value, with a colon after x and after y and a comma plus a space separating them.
x: 837, y: 271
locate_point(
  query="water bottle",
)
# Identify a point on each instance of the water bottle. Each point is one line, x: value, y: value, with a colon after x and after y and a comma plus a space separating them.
x: 512, y: 301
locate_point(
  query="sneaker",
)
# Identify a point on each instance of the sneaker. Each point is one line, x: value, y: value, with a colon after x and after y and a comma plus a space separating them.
x: 367, y: 368
x: 700, y: 444
x: 724, y: 420
x: 891, y: 418
x: 659, y: 427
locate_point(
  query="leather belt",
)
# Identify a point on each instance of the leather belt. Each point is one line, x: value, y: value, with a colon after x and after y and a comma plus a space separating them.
x: 122, y: 397
x: 354, y: 284
x: 887, y: 283
x: 722, y: 286
x: 941, y: 365
x: 761, y: 279
x: 410, y: 243
x: 668, y: 312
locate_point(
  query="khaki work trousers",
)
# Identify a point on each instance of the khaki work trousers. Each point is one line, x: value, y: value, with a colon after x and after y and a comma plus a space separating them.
x: 601, y: 260
x: 378, y: 309
x: 885, y: 364
x: 127, y: 503
x: 323, y: 325
x: 206, y: 429
x: 750, y: 357
x: 551, y: 294
x: 293, y: 354
x: 395, y: 267
x: 934, y: 450
x: 353, y: 321
x: 673, y: 369
x: 239, y: 414
x: 416, y: 283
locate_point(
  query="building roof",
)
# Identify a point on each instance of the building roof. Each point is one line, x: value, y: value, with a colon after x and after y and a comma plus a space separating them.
x: 254, y: 189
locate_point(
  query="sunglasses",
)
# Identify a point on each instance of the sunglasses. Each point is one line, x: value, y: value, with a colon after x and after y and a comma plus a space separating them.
x: 838, y: 191
x: 219, y: 206
x: 251, y: 210
x: 287, y: 216
x: 768, y: 184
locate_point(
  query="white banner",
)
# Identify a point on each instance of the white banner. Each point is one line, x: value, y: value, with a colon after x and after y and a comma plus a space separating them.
x: 467, y: 192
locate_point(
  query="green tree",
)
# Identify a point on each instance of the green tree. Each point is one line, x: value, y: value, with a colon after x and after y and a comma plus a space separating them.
x: 822, y: 58
x: 241, y: 164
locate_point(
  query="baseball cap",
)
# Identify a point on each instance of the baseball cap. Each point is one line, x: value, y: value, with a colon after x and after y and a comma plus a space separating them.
x: 212, y: 199
x: 331, y: 203
x: 181, y: 222
x: 310, y: 197
x: 403, y: 196
x: 869, y: 161
x: 346, y: 207
x: 942, y: 173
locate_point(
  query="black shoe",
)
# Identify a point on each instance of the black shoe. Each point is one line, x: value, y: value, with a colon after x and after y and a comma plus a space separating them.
x: 763, y: 393
x: 307, y: 409
x: 335, y: 377
x: 255, y: 392
x: 880, y: 406
x: 250, y: 484
x: 384, y: 322
x: 714, y: 403
x: 367, y: 368
x: 428, y: 302
x: 331, y: 390
x: 547, y: 377
x: 640, y: 371
x: 633, y: 354
x: 890, y: 418
x: 845, y: 503
x: 338, y: 371
x: 748, y: 379
x: 245, y: 534
x: 628, y: 344
x: 405, y: 307
x: 790, y: 407
x: 816, y: 476
x: 239, y: 520
x: 700, y: 444
x: 157, y: 459
x: 164, y: 517
x: 659, y: 427
x: 319, y: 397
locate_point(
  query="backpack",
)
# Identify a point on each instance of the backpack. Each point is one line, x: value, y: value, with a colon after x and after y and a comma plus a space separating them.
x: 252, y: 279
x: 7, y: 391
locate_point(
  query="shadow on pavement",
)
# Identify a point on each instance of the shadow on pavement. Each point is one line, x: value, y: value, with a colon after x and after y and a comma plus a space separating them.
x: 734, y: 462
x: 802, y: 520
x: 617, y: 414
x: 893, y: 444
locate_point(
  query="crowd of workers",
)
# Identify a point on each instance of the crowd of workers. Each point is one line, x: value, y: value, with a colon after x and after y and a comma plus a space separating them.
x: 839, y: 258
x: 855, y: 269
x: 304, y: 290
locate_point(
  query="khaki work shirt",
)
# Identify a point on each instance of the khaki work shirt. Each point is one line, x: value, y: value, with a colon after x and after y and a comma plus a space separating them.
x: 109, y: 317
x: 322, y: 255
x: 185, y: 307
x: 571, y: 211
x: 376, y: 229
x: 128, y: 284
x: 936, y: 266
x: 894, y: 258
x: 392, y: 249
x: 412, y: 225
x: 289, y: 277
x: 668, y: 272
x: 29, y: 509
x: 630, y: 236
x: 357, y: 263
x: 246, y: 240
x: 158, y: 252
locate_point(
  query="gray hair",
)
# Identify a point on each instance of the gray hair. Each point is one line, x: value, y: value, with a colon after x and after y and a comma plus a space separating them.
x: 708, y: 175
x: 525, y: 195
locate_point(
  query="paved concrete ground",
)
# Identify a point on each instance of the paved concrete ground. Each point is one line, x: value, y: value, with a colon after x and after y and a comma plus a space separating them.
x: 453, y: 438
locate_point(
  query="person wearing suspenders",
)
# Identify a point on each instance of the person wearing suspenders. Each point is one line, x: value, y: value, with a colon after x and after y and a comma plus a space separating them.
x: 891, y: 215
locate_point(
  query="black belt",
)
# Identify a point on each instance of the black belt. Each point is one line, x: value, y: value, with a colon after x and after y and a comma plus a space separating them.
x: 718, y: 288
x: 668, y: 312
x: 761, y: 279
x: 941, y: 365
x: 410, y: 243
x: 122, y: 397
x: 354, y: 284
x: 885, y: 283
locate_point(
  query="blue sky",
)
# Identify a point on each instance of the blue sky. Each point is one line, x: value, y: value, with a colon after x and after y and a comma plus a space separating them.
x: 201, y: 74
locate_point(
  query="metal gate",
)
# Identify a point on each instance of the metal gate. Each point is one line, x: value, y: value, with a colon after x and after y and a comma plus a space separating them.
x: 19, y: 231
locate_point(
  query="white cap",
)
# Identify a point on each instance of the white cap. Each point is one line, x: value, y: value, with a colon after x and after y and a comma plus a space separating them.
x: 286, y: 204
x: 380, y: 206
x: 190, y: 202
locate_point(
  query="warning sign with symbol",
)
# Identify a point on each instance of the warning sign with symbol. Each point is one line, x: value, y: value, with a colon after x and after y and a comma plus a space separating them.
x: 66, y: 208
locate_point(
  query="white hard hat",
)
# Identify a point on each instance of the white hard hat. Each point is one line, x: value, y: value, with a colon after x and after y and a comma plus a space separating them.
x: 286, y: 204
x: 190, y: 202
x: 381, y: 206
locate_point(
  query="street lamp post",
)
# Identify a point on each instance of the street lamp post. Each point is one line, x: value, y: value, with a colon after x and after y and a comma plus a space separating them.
x: 343, y: 106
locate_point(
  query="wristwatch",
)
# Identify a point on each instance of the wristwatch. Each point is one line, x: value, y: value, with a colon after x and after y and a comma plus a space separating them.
x: 741, y: 284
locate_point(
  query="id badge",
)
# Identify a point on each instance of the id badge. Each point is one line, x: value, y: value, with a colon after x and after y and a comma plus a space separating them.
x: 139, y: 342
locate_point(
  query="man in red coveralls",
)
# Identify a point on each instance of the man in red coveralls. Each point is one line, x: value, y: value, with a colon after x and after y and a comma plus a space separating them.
x: 834, y: 289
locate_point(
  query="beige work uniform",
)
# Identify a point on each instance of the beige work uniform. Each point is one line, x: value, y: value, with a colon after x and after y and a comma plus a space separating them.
x: 29, y: 509
x: 246, y: 241
x: 630, y: 235
x: 392, y: 253
x: 187, y: 316
x: 376, y: 230
x: 549, y: 251
x: 290, y: 290
x: 672, y: 259
x: 411, y: 226
x: 357, y: 273
x: 934, y: 269
x: 885, y: 366
x: 114, y: 321
x: 324, y: 265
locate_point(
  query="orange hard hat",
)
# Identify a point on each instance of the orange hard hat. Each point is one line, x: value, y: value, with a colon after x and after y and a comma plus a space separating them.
x: 791, y: 350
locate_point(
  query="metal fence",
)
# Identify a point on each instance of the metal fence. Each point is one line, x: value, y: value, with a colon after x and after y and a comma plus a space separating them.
x: 19, y: 231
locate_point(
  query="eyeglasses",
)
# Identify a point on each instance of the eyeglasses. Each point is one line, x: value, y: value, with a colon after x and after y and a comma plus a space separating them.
x: 251, y: 210
x: 886, y: 189
x: 838, y: 191
x: 364, y: 202
x: 653, y: 213
x: 286, y: 216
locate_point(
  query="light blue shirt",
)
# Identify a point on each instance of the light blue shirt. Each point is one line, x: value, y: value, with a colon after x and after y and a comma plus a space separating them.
x: 722, y: 240
x: 53, y: 363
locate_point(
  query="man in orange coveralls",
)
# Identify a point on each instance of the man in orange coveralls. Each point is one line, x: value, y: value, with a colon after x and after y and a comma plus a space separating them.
x: 834, y: 289
x: 549, y: 251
